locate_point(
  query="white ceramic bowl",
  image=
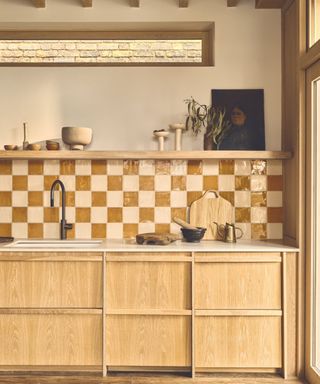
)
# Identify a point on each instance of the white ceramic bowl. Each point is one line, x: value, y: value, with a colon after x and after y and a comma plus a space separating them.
x: 76, y: 137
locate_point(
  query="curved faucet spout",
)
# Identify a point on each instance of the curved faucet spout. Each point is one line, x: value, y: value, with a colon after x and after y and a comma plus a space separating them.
x: 64, y: 226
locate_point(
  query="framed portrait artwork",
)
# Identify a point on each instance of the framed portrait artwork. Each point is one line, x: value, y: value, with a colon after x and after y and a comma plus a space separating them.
x: 245, y: 113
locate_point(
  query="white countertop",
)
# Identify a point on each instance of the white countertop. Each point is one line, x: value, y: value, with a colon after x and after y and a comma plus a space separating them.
x: 178, y: 246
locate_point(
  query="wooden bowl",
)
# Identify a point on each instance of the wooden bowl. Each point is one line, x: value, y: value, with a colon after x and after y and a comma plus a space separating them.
x: 10, y: 147
x: 34, y: 147
x: 52, y: 146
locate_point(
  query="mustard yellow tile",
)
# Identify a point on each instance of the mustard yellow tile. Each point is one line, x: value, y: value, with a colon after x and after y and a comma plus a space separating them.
x: 70, y: 199
x: 5, y: 229
x: 146, y: 215
x: 226, y: 167
x: 19, y: 214
x: 131, y: 167
x: 114, y: 215
x: 130, y: 230
x: 178, y: 183
x: 229, y: 195
x: 162, y: 167
x: 210, y: 182
x: 194, y: 167
x: 162, y: 199
x: 258, y: 231
x: 99, y: 199
x: 274, y: 183
x: 51, y: 215
x: 130, y: 199
x: 242, y: 183
x: 259, y: 199
x: 5, y: 199
x: 98, y: 231
x: 242, y: 215
x: 19, y: 183
x: 114, y: 183
x: 181, y: 213
x: 35, y: 199
x: 83, y: 215
x: 35, y: 231
x: 67, y: 167
x: 83, y: 183
x: 192, y: 196
x: 146, y: 183
x: 5, y: 167
x: 162, y: 228
x: 35, y: 167
x: 98, y: 167
x: 48, y: 181
x: 275, y: 214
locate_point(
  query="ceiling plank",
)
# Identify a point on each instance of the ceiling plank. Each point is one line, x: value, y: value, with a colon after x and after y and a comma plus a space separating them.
x: 269, y: 4
x: 39, y: 3
x: 134, y: 3
x: 183, y: 3
x: 87, y: 3
x: 232, y: 3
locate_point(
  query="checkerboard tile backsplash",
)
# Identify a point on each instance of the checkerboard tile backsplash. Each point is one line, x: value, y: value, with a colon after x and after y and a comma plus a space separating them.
x: 120, y: 198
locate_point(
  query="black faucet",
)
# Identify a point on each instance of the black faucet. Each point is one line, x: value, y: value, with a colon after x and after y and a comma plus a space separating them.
x: 64, y: 226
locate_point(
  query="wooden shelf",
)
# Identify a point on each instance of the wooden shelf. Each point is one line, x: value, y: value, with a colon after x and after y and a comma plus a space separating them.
x: 144, y: 155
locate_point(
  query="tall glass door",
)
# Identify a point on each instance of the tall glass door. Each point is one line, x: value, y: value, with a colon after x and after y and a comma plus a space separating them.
x: 313, y: 226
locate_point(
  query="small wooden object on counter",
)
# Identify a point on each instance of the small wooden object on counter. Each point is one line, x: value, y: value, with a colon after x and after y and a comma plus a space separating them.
x: 154, y: 238
x: 208, y: 208
x: 52, y: 145
x: 10, y: 147
x: 34, y: 147
x: 161, y: 135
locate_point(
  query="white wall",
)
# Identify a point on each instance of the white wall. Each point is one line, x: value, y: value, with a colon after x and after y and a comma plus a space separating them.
x: 124, y: 105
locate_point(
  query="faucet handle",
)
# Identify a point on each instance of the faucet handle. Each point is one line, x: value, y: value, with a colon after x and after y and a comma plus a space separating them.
x: 68, y: 226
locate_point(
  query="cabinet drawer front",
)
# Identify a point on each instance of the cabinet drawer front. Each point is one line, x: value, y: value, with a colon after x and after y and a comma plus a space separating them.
x: 238, y: 342
x: 158, y: 341
x: 148, y: 285
x: 46, y: 284
x: 238, y: 286
x: 42, y: 339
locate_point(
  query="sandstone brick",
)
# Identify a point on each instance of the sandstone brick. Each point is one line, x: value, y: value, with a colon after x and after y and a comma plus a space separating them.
x: 175, y: 53
x: 89, y: 54
x: 87, y: 46
x: 122, y: 53
x: 144, y: 53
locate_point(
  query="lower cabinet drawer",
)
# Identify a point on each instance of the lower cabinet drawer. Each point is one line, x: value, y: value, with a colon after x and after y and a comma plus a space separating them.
x: 238, y: 342
x: 50, y: 339
x: 148, y: 341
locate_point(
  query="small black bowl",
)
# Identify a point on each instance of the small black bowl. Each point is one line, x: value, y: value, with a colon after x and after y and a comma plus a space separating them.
x: 193, y: 235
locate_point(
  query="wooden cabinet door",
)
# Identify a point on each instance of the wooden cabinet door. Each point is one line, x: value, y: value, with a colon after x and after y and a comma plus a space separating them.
x: 50, y: 339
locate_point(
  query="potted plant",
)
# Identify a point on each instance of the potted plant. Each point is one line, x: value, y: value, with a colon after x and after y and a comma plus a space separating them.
x: 211, y: 118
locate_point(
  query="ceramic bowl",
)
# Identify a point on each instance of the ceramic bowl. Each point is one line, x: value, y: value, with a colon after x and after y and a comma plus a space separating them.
x: 9, y: 147
x: 34, y: 147
x: 76, y: 137
x: 193, y: 235
x: 52, y: 145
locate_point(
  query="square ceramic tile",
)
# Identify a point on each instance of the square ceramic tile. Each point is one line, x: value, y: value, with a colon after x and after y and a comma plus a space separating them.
x: 83, y: 231
x: 275, y: 231
x: 242, y: 198
x: 98, y: 215
x: 115, y: 167
x: 162, y: 182
x: 242, y: 167
x: 146, y: 199
x: 178, y: 167
x: 83, y: 167
x: 130, y: 214
x: 210, y: 167
x: 83, y: 199
x: 51, y: 167
x: 246, y: 229
x: 5, y: 214
x: 20, y: 230
x: 35, y: 183
x: 258, y: 215
x: 69, y: 182
x: 19, y: 198
x: 162, y: 215
x: 6, y: 183
x: 115, y: 230
x: 178, y: 199
x: 258, y: 183
x: 146, y: 227
x: 226, y: 182
x: 99, y: 182
x: 51, y: 231
x: 115, y: 199
x: 147, y: 167
x: 175, y: 228
x: 35, y: 215
x: 274, y: 199
x: 194, y: 182
x: 19, y: 167
x: 70, y: 214
x: 274, y: 167
x: 130, y: 183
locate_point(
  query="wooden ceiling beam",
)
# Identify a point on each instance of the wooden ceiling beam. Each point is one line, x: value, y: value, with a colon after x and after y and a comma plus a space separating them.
x: 134, y: 3
x: 39, y: 3
x: 269, y: 4
x: 87, y: 3
x: 232, y: 3
x: 183, y: 3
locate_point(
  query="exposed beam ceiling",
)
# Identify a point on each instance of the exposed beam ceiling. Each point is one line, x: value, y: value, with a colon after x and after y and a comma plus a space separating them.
x: 134, y: 3
x: 39, y: 3
x: 183, y: 3
x: 87, y: 3
x: 232, y: 3
x: 268, y: 4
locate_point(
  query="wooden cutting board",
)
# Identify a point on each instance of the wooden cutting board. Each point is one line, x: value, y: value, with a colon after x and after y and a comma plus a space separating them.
x: 156, y: 238
x: 208, y: 208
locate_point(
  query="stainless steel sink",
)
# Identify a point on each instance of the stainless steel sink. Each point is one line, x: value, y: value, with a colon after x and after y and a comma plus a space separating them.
x: 55, y: 244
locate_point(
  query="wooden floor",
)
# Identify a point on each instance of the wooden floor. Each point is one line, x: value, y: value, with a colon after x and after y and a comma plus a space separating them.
x: 144, y: 379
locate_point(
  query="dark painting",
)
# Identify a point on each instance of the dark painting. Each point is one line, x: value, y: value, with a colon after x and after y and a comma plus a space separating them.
x: 245, y: 113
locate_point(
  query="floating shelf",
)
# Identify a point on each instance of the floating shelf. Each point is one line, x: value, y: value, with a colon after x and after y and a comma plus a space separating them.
x: 144, y: 155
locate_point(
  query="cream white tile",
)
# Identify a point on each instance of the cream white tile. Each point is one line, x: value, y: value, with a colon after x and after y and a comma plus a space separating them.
x: 115, y: 199
x: 210, y: 167
x: 115, y: 167
x: 146, y: 227
x: 5, y: 214
x: 99, y: 183
x: 178, y: 199
x: 194, y: 182
x: 147, y: 199
x: 147, y: 167
x: 83, y: 231
x: 274, y: 199
x: 70, y: 214
x: 162, y: 183
x: 35, y: 215
x: 6, y: 183
x: 179, y: 167
x: 226, y: 182
x: 69, y: 182
x: 51, y: 231
x: 246, y: 228
x: 114, y: 230
x: 51, y: 167
x: 130, y: 182
x: 19, y: 167
x: 258, y: 215
x: 20, y: 230
x: 162, y: 215
x: 56, y: 197
x: 83, y: 198
x: 130, y: 214
x: 83, y: 167
x: 35, y: 183
x: 19, y: 198
x: 274, y: 167
x: 99, y: 215
x: 258, y: 183
x: 242, y: 167
x: 275, y: 231
x: 242, y: 198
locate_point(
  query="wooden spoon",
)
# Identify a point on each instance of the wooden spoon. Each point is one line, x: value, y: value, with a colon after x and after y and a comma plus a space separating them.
x: 184, y: 224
